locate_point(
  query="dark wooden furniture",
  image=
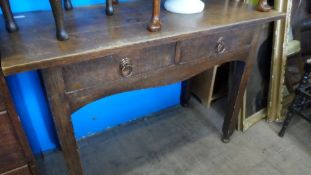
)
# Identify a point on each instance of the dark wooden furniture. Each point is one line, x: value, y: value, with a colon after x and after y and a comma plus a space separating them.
x: 108, y: 56
x: 301, y: 100
x: 15, y: 155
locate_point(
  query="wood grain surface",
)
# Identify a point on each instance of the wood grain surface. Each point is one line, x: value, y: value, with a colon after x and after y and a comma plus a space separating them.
x: 94, y: 35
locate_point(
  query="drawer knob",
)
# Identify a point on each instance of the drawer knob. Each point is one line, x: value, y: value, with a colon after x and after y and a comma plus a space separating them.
x: 221, y: 48
x: 126, y: 67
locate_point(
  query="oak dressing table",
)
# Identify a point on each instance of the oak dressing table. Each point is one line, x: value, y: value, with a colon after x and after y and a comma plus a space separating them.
x: 105, y: 56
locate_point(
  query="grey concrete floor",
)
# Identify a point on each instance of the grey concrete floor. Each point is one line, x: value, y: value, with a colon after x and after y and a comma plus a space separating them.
x: 186, y: 141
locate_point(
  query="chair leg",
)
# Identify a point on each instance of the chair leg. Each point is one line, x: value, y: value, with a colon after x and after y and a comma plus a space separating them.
x: 297, y: 105
x: 109, y: 7
x: 155, y: 24
x: 299, y: 100
x: 289, y: 117
x: 8, y: 16
x: 68, y: 5
x: 58, y: 14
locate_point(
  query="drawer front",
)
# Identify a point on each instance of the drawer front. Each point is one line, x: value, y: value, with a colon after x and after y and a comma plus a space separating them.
x: 11, y: 155
x: 215, y: 45
x: 19, y: 171
x: 118, y: 66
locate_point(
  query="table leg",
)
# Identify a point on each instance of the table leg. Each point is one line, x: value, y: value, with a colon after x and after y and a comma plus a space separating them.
x: 109, y: 7
x: 240, y: 77
x: 8, y: 16
x: 185, y: 93
x: 68, y: 5
x: 54, y: 85
x: 155, y: 24
x: 58, y: 14
x: 235, y: 100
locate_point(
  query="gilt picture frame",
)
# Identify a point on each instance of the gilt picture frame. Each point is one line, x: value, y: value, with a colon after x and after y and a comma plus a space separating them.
x: 278, y: 64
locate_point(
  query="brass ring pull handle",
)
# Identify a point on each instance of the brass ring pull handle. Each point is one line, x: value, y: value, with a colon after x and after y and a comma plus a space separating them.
x: 220, y: 48
x: 126, y: 67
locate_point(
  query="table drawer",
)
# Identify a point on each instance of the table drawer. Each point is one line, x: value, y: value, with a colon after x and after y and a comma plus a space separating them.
x: 214, y: 45
x: 119, y: 66
x: 11, y: 154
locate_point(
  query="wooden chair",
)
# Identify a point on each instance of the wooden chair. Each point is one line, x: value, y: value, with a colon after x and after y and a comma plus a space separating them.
x: 56, y: 5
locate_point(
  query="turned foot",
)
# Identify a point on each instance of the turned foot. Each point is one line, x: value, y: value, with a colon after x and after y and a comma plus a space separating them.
x: 68, y: 5
x: 263, y: 6
x: 282, y: 132
x: 109, y: 11
x: 154, y: 26
x: 11, y: 27
x: 109, y: 8
x: 225, y: 139
x: 57, y: 10
x: 62, y: 35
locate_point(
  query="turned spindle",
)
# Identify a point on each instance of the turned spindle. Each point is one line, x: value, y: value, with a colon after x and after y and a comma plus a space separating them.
x: 10, y: 23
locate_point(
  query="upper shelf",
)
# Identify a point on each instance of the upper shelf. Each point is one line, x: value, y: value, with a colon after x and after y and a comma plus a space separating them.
x: 93, y: 34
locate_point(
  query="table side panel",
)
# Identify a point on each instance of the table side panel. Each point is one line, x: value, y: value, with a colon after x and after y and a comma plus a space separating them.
x: 11, y: 154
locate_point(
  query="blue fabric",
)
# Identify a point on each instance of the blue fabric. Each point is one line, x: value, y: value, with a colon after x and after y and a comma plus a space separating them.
x: 35, y: 5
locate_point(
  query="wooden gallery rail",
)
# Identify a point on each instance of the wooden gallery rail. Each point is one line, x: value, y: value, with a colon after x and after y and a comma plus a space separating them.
x: 108, y: 56
x: 58, y: 14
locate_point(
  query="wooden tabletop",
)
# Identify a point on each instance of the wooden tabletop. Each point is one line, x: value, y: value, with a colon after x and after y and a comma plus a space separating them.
x: 93, y: 34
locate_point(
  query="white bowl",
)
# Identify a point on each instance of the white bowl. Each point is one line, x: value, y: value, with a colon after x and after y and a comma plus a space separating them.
x: 184, y: 6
